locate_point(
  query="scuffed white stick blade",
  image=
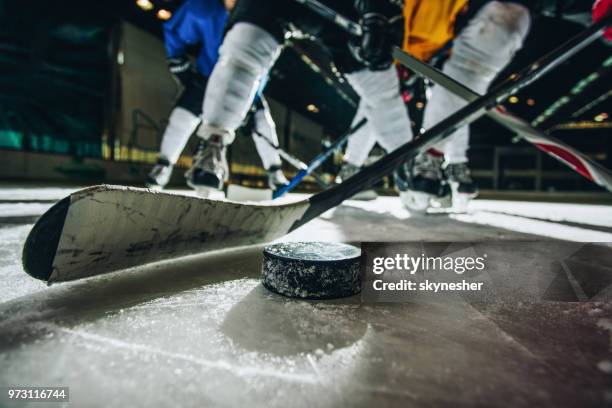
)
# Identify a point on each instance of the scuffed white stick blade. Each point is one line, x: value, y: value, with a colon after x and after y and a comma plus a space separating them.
x: 109, y: 228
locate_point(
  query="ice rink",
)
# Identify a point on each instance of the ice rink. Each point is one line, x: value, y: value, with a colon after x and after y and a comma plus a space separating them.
x: 201, y: 331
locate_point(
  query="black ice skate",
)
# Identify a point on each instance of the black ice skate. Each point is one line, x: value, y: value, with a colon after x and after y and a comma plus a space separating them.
x: 420, y: 182
x: 463, y: 188
x: 159, y: 176
x: 210, y: 169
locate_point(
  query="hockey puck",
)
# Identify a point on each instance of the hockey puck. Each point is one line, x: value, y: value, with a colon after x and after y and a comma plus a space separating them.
x: 312, y: 270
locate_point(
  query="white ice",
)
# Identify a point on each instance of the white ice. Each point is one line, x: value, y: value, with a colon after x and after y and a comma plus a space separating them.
x: 201, y: 331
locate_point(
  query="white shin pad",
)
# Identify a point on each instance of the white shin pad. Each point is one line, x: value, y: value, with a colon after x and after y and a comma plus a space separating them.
x: 484, y: 47
x: 246, y: 55
x: 383, y: 106
x: 361, y: 142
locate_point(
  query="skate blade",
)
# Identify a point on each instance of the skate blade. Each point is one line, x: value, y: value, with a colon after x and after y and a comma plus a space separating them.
x: 367, y: 195
x: 154, y: 187
x: 415, y: 201
x: 205, y: 191
x: 461, y: 202
x: 201, y: 191
x: 244, y: 194
x: 441, y: 203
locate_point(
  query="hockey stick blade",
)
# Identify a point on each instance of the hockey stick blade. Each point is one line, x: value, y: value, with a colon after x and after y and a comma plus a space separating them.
x: 567, y: 155
x: 106, y: 228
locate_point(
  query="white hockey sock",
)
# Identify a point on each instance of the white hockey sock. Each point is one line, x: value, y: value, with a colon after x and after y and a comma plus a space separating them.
x: 264, y: 124
x: 181, y: 125
x: 361, y: 142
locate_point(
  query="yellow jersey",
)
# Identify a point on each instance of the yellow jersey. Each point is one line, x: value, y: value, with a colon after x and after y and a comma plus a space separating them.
x: 429, y: 25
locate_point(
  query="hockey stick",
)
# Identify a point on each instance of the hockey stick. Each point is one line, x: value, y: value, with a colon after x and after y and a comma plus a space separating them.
x: 341, y: 21
x: 464, y: 116
x: 331, y: 15
x: 318, y: 161
x: 567, y: 155
x: 291, y: 159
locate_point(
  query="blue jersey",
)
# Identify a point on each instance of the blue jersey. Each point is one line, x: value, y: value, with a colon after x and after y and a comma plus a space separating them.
x: 197, y: 23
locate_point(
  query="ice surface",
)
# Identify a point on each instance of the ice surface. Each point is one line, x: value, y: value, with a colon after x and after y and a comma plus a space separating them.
x: 13, y: 280
x: 201, y: 331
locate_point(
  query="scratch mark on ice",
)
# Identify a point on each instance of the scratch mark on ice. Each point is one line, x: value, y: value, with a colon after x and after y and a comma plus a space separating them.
x: 243, y: 371
x: 313, y: 364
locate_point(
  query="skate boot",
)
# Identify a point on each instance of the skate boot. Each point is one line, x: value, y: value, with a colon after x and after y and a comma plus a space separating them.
x: 463, y: 188
x: 419, y: 182
x: 347, y: 171
x: 159, y: 175
x: 276, y: 178
x: 210, y: 169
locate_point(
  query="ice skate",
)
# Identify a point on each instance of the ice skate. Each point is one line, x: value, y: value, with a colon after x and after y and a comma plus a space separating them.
x: 159, y: 176
x: 443, y: 201
x: 348, y: 170
x: 276, y: 178
x: 419, y: 182
x: 210, y: 169
x: 463, y: 188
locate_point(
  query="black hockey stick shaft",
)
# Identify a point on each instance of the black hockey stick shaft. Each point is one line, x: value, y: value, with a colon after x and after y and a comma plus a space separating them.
x: 474, y: 110
x: 331, y: 15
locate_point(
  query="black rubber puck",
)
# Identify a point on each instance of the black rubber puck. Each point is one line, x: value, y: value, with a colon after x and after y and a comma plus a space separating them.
x: 312, y: 270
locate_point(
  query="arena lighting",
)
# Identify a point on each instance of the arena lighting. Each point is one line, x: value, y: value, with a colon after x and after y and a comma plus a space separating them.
x: 578, y: 88
x: 513, y: 99
x: 164, y: 14
x: 584, y: 125
x: 312, y: 108
x: 592, y: 104
x: 145, y: 5
x: 601, y: 117
x: 531, y: 102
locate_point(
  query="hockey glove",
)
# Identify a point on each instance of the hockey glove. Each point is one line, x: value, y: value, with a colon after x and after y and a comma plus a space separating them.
x: 375, y: 47
x: 181, y: 70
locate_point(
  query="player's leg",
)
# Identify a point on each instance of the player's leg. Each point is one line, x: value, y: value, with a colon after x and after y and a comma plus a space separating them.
x: 358, y: 147
x: 383, y: 106
x: 481, y: 51
x: 265, y: 139
x: 182, y: 123
x: 385, y: 110
x: 248, y: 51
x: 380, y: 102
